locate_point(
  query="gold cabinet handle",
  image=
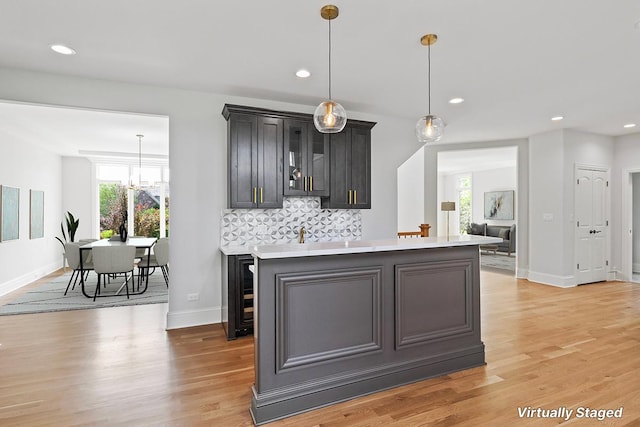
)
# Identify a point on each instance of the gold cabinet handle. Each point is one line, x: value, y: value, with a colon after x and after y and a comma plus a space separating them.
x: 355, y: 197
x: 310, y: 183
x: 260, y: 194
x: 255, y: 189
x: 305, y: 183
x: 350, y: 191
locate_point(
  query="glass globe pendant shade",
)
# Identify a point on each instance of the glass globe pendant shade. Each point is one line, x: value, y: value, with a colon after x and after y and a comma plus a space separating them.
x: 330, y: 117
x: 430, y: 128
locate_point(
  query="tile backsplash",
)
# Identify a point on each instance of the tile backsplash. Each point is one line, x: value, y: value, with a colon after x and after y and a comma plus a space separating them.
x: 268, y: 226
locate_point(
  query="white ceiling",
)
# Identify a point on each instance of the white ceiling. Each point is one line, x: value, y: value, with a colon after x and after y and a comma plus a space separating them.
x: 515, y: 63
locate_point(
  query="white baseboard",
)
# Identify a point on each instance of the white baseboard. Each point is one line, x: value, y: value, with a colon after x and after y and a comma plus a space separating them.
x: 27, y: 278
x: 522, y: 273
x: 551, y: 279
x: 188, y: 318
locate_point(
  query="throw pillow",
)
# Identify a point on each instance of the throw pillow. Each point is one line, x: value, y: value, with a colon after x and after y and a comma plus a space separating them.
x: 477, y: 229
x: 504, y: 234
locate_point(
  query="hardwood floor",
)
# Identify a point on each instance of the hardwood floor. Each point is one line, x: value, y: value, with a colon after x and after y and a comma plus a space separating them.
x: 545, y: 347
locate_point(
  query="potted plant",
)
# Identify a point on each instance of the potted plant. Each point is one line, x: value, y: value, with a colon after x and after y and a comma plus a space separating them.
x: 72, y: 227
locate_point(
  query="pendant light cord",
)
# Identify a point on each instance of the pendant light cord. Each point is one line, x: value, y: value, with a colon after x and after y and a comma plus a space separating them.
x: 329, y: 59
x: 429, y: 75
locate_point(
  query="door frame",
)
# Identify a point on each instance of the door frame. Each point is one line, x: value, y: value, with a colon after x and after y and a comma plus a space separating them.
x: 626, y: 223
x: 607, y: 170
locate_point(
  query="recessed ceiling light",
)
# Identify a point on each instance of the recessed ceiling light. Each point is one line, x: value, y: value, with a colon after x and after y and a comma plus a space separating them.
x: 456, y: 100
x: 557, y: 118
x: 62, y: 49
x: 630, y: 125
x: 303, y: 74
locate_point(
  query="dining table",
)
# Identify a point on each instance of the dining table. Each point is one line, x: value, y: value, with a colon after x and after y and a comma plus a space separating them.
x: 137, y: 242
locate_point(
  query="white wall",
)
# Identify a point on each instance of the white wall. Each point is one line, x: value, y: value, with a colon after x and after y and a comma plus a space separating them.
x: 546, y: 198
x: 411, y: 192
x: 27, y: 167
x: 636, y: 222
x: 554, y: 156
x: 626, y: 160
x: 77, y: 181
x: 197, y: 158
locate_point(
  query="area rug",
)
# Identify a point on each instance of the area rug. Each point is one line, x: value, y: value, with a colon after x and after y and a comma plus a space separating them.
x: 498, y: 261
x: 50, y: 296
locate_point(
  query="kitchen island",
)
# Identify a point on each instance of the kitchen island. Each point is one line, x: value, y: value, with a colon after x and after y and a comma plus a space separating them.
x: 338, y: 320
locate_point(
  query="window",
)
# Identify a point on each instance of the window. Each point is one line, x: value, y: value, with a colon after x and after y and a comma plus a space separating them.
x: 144, y: 209
x: 463, y: 188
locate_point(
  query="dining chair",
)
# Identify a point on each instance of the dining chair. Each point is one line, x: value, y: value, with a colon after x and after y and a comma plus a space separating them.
x: 159, y: 258
x: 72, y: 252
x: 110, y: 260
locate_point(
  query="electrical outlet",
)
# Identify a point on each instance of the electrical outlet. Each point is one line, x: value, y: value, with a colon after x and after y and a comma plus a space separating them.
x: 193, y: 297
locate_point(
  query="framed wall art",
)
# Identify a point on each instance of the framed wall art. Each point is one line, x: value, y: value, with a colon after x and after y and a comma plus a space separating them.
x: 9, y: 213
x: 498, y: 204
x: 36, y: 218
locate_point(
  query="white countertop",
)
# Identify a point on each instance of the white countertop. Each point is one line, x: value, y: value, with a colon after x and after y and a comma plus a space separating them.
x: 293, y: 250
x: 237, y: 249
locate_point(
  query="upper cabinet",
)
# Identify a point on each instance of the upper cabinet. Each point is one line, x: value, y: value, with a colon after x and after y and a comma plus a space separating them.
x: 351, y: 168
x: 306, y: 158
x: 254, y: 161
x: 276, y: 153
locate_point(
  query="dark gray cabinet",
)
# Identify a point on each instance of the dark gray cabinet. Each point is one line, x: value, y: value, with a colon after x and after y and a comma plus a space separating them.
x: 254, y: 160
x: 306, y: 157
x: 238, y: 296
x: 276, y: 153
x: 350, y: 180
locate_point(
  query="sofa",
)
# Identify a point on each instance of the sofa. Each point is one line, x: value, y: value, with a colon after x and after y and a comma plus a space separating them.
x: 506, y: 232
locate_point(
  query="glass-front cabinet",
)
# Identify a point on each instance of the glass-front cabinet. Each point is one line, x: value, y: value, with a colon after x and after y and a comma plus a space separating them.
x: 306, y: 158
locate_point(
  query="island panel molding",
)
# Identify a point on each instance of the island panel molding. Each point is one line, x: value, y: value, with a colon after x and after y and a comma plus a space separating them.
x: 305, y: 302
x: 429, y: 287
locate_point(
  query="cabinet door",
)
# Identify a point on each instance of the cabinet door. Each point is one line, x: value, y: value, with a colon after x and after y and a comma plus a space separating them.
x: 359, y: 157
x: 295, y: 157
x: 243, y: 160
x: 268, y: 192
x: 318, y: 149
x: 340, y: 173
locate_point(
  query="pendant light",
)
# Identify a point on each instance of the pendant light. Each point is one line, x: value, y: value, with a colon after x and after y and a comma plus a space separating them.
x: 429, y: 128
x: 329, y: 117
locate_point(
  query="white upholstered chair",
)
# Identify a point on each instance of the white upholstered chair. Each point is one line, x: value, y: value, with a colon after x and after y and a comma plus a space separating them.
x: 109, y: 260
x: 72, y: 252
x: 159, y: 259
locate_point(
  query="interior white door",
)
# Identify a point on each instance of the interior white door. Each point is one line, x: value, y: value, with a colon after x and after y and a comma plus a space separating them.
x: 591, y: 194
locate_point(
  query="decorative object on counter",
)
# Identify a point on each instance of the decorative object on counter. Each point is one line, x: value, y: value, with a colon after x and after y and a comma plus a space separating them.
x: 9, y: 213
x: 429, y: 128
x: 240, y: 227
x: 329, y: 117
x: 301, y: 238
x: 498, y: 204
x: 122, y: 230
x: 36, y: 214
x: 448, y: 207
x: 424, y: 232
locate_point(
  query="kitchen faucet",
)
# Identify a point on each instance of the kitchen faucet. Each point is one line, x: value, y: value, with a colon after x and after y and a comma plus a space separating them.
x: 301, y: 238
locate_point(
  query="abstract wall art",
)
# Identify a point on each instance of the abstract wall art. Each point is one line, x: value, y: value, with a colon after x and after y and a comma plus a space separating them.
x: 36, y: 220
x: 498, y: 204
x: 9, y: 213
